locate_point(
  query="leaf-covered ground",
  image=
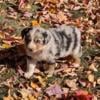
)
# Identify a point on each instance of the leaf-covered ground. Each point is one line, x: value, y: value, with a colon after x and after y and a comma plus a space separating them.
x: 68, y: 82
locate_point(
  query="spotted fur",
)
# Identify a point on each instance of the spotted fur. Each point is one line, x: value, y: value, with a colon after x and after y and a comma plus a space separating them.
x: 55, y: 43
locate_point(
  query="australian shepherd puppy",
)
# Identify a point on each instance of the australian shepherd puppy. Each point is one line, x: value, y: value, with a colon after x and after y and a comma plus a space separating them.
x: 50, y: 44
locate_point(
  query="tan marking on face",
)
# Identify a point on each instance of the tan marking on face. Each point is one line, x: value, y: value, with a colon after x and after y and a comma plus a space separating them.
x: 36, y: 47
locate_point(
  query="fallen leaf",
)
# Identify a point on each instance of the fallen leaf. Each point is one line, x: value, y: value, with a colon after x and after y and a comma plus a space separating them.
x: 71, y: 83
x: 93, y: 67
x: 34, y: 85
x: 54, y: 90
x: 83, y: 95
x: 35, y: 23
x: 53, y: 1
x: 85, y: 2
x: 21, y: 3
x: 24, y: 92
x: 91, y: 77
x: 98, y: 81
x: 61, y: 16
x: 31, y: 97
x: 41, y: 80
x: 5, y: 46
x: 27, y: 14
x: 9, y: 97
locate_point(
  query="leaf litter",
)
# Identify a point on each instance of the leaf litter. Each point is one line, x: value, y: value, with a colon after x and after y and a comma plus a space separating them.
x: 68, y: 82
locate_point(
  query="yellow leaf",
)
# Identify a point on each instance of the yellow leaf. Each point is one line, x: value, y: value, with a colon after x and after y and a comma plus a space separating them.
x: 8, y: 98
x: 31, y: 97
x: 28, y: 7
x: 41, y: 80
x: 5, y: 45
x: 91, y: 77
x: 24, y: 92
x: 35, y: 23
x: 33, y: 85
x: 1, y: 35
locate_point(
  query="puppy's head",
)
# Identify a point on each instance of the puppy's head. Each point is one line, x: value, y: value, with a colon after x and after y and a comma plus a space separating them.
x: 35, y: 38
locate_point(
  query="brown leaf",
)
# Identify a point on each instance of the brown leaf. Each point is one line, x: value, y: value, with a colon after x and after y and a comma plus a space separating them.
x: 86, y: 1
x: 53, y: 1
x: 93, y: 67
x: 71, y: 83
x: 61, y: 16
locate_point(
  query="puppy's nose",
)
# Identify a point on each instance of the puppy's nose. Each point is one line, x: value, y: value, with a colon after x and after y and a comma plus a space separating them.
x: 30, y: 49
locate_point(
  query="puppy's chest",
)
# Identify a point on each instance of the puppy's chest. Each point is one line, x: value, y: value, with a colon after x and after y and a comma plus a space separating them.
x: 39, y: 56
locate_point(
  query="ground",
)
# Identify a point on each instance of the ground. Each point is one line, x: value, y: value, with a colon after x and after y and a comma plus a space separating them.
x: 67, y: 83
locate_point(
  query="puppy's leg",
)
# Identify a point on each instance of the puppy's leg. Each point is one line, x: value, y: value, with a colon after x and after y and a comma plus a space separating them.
x: 30, y: 68
x: 50, y: 70
x: 77, y: 53
x: 77, y: 61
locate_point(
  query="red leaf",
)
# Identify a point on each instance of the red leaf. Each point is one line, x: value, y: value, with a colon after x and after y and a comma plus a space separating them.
x: 86, y: 1
x: 83, y: 95
x: 21, y: 3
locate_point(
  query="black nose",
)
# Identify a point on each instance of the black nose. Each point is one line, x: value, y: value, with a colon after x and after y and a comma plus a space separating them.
x: 30, y: 49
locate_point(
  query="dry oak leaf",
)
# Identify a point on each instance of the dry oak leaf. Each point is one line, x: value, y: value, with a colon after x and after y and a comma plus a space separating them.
x: 35, y: 23
x: 53, y: 1
x: 71, y: 83
x: 61, y: 16
x: 91, y: 77
x: 54, y: 90
x: 25, y: 93
x: 21, y: 3
x: 93, y: 67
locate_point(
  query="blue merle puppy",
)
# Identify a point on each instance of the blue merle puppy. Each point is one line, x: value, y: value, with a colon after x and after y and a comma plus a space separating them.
x: 50, y: 44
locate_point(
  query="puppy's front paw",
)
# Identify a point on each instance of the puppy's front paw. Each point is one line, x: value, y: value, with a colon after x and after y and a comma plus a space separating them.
x: 27, y: 75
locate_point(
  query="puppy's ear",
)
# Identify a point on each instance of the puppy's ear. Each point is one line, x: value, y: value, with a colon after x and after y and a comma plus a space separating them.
x: 25, y: 31
x: 47, y: 37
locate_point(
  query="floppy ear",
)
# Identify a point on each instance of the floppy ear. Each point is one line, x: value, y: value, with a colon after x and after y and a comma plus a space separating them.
x: 47, y: 37
x: 25, y: 31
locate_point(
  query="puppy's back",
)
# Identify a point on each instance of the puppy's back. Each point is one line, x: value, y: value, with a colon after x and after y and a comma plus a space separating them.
x: 67, y: 39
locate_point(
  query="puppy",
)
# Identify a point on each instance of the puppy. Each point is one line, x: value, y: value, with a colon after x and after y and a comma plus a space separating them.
x: 50, y: 44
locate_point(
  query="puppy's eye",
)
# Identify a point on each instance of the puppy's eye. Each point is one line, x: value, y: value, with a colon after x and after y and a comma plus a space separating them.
x: 38, y: 40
